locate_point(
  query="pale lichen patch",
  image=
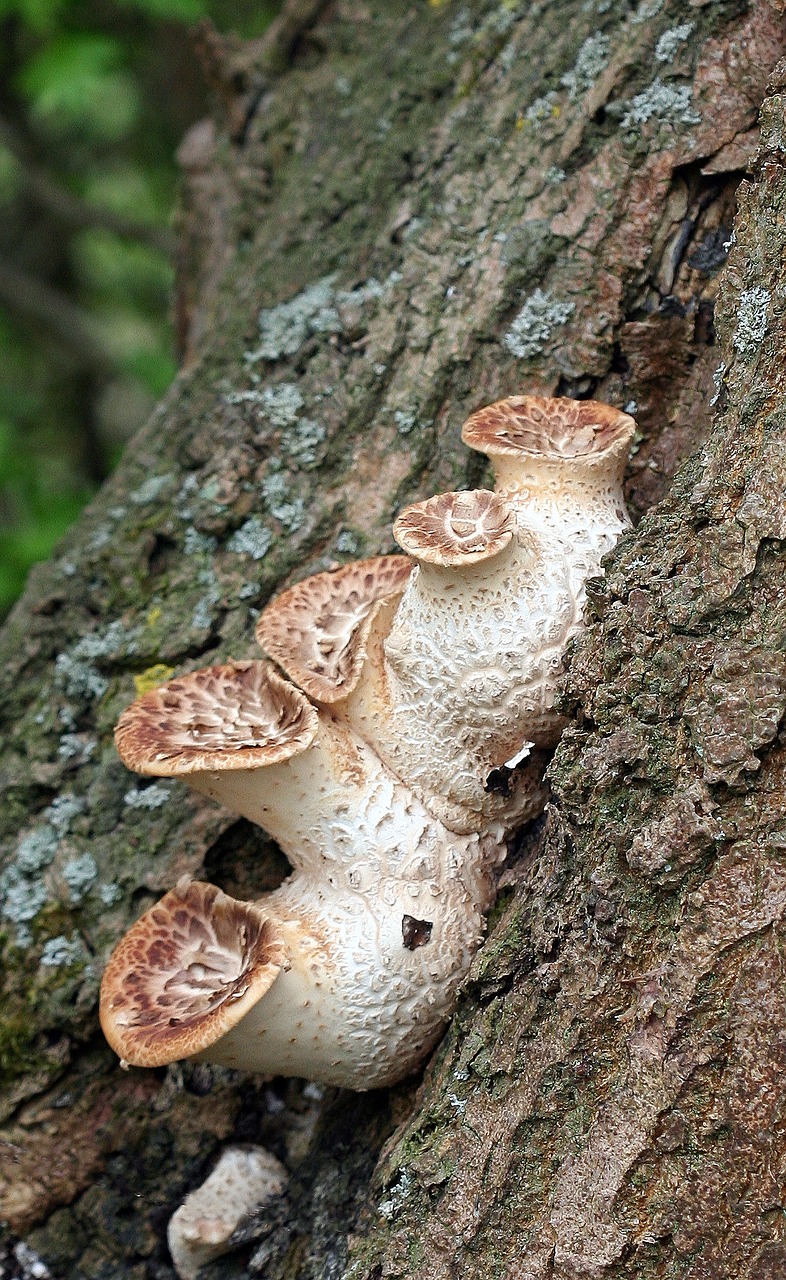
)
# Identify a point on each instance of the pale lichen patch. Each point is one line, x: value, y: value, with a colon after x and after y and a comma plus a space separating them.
x: 348, y: 543
x: 63, y: 951
x: 397, y: 1195
x: 284, y: 328
x: 669, y: 103
x: 544, y: 108
x: 593, y: 57
x: 62, y: 811
x: 646, y: 10
x: 405, y: 421
x: 152, y: 797
x: 150, y: 489
x: 752, y: 314
x: 37, y: 849
x: 319, y: 309
x: 80, y: 873
x: 196, y: 543
x: 251, y: 539
x: 669, y: 43
x: 75, y: 669
x: 532, y: 328
x: 283, y: 505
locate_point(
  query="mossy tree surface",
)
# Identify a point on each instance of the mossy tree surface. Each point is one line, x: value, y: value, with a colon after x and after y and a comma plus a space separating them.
x: 432, y: 207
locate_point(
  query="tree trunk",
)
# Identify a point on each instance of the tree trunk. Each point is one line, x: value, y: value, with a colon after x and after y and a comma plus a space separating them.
x: 432, y: 207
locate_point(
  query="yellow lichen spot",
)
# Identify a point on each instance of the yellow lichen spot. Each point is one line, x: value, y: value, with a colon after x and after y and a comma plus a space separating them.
x: 153, y: 615
x: 437, y: 4
x: 153, y: 677
x: 519, y: 122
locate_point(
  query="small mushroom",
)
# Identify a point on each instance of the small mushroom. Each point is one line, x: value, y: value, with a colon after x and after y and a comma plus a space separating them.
x: 187, y: 973
x: 560, y: 464
x: 317, y: 630
x: 242, y: 1183
x: 455, y: 530
x: 245, y: 737
x: 458, y: 638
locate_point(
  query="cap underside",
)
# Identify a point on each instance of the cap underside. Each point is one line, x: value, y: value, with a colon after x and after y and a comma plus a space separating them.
x: 238, y: 716
x: 318, y: 629
x: 186, y: 973
x: 455, y: 528
x: 554, y: 428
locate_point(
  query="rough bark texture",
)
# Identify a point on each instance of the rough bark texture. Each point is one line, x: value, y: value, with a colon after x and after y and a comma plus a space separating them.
x: 452, y: 204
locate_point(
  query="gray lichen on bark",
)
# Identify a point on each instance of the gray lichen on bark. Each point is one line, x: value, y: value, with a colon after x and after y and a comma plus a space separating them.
x: 421, y: 183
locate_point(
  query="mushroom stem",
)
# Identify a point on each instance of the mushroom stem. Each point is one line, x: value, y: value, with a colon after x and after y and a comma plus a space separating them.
x: 481, y: 625
x: 317, y: 805
x: 347, y: 976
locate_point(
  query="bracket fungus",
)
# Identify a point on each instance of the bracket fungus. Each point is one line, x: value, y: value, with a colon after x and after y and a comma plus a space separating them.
x: 413, y: 686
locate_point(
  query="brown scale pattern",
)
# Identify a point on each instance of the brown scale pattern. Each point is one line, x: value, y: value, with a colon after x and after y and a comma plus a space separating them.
x: 553, y: 428
x: 317, y: 630
x: 456, y: 528
x: 241, y: 715
x: 186, y: 972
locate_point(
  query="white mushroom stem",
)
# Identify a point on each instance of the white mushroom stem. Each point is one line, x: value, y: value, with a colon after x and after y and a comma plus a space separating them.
x: 375, y: 960
x: 242, y: 1183
x: 321, y: 805
x: 481, y: 624
x: 346, y: 977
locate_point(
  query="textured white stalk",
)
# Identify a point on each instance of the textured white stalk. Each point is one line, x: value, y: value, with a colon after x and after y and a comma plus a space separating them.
x: 243, y: 1182
x: 488, y: 636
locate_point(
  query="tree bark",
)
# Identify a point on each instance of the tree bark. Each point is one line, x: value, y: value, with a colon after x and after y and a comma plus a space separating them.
x: 430, y: 208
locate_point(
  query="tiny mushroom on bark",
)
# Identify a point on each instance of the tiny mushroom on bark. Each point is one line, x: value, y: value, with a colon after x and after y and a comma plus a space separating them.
x: 434, y: 676
x: 243, y: 1182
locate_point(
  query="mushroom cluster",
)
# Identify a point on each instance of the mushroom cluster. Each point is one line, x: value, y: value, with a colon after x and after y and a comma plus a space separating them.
x: 404, y: 742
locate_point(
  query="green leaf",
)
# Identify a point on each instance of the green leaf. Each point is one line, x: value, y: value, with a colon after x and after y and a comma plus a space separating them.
x: 177, y: 10
x: 77, y: 83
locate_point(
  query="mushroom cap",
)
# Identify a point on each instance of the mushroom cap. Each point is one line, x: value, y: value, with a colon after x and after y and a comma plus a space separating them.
x: 456, y: 528
x: 552, y: 428
x: 317, y: 631
x: 238, y: 716
x: 186, y: 972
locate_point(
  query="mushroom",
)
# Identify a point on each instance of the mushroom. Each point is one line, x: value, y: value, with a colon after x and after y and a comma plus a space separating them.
x: 463, y: 635
x: 317, y: 631
x: 434, y: 677
x: 392, y: 798
x: 499, y: 592
x: 244, y: 1180
x: 559, y: 463
x: 327, y: 977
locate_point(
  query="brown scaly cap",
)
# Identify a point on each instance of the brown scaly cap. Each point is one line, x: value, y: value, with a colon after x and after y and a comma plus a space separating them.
x: 186, y: 973
x: 239, y: 716
x: 455, y: 528
x: 550, y: 428
x: 317, y: 630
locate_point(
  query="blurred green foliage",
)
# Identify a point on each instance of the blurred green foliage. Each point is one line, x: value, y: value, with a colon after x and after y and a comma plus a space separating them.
x: 94, y: 99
